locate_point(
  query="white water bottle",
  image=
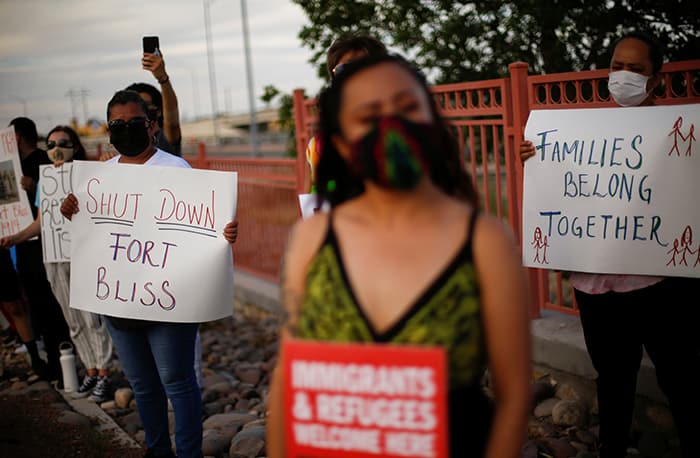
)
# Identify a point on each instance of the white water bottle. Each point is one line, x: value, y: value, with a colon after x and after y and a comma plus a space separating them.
x: 70, y: 375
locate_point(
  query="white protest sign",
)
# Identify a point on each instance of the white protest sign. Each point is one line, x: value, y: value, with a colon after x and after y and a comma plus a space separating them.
x: 147, y: 242
x: 15, y: 212
x: 308, y: 203
x: 54, y: 186
x: 612, y: 190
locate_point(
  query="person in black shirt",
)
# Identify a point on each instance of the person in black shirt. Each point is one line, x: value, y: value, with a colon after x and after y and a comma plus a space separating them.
x: 45, y: 311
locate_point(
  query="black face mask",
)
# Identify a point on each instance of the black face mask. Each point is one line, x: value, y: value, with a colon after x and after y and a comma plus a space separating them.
x: 129, y: 138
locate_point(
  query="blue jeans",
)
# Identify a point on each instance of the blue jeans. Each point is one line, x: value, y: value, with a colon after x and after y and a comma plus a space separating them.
x: 158, y: 360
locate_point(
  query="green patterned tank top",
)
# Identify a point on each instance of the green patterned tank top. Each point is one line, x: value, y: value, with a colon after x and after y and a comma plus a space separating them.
x: 447, y: 314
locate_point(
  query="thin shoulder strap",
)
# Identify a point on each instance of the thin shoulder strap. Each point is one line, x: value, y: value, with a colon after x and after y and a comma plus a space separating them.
x: 330, y: 232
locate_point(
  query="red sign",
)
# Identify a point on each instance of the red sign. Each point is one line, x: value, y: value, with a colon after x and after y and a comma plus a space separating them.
x: 361, y: 401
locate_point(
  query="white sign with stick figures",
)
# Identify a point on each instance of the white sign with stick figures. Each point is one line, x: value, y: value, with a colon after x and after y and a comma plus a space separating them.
x: 147, y: 242
x: 15, y: 212
x: 613, y: 190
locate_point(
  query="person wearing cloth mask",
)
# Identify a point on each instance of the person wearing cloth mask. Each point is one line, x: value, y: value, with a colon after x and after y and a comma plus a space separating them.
x: 157, y: 357
x: 343, y: 51
x: 620, y: 314
x: 87, y: 330
x: 405, y: 257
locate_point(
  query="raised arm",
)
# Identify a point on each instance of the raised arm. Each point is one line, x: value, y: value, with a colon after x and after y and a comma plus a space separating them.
x: 505, y: 299
x: 171, y: 114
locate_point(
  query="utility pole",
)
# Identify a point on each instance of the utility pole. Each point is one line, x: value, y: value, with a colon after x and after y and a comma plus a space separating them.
x: 228, y: 100
x: 249, y: 78
x: 83, y: 97
x: 212, y: 71
x: 73, y: 95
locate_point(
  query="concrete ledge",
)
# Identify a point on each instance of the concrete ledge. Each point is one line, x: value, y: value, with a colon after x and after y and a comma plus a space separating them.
x: 250, y: 289
x: 104, y: 423
x: 557, y: 341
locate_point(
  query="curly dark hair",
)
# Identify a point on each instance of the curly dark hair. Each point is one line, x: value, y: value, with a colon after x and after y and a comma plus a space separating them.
x: 79, y: 153
x: 336, y: 182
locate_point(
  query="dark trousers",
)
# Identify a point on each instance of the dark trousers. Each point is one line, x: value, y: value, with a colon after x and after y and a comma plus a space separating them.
x: 664, y: 319
x: 45, y: 311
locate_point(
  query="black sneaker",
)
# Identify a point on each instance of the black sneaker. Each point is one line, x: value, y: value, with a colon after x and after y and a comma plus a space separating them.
x: 89, y: 382
x: 41, y: 369
x: 101, y: 392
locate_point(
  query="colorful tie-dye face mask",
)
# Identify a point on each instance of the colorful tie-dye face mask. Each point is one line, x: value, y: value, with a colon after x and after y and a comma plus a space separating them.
x: 393, y: 153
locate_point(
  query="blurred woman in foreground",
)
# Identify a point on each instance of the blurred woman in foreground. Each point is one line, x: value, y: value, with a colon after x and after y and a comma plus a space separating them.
x: 405, y: 257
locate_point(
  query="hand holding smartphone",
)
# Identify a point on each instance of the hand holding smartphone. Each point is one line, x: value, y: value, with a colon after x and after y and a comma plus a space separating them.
x: 151, y: 45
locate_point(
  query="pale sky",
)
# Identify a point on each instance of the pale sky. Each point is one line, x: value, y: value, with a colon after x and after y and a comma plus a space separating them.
x: 50, y: 47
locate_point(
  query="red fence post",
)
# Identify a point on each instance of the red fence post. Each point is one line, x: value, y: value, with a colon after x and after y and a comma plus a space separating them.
x: 521, y: 110
x: 201, y: 155
x: 301, y: 137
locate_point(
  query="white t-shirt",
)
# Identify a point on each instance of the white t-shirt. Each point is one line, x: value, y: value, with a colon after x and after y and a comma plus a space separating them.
x: 160, y: 158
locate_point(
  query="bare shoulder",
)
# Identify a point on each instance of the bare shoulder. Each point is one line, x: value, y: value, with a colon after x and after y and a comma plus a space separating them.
x: 305, y: 238
x: 492, y: 237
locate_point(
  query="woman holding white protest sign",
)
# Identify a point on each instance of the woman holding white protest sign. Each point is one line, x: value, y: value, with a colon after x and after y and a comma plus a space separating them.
x: 87, y: 330
x: 623, y: 314
x: 405, y: 257
x: 157, y: 357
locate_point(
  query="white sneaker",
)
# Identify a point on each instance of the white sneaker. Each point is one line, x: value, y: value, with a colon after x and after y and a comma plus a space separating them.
x: 23, y: 348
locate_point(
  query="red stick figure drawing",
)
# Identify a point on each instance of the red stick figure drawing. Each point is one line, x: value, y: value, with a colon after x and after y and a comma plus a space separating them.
x: 686, y: 242
x: 675, y: 251
x: 540, y: 243
x: 676, y: 132
x: 690, y: 138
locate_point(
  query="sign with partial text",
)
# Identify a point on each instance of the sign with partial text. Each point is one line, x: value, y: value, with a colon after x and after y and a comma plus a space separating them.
x: 15, y: 212
x: 362, y: 400
x: 54, y: 186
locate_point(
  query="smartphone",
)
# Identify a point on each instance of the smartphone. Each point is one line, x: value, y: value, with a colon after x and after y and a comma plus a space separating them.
x: 150, y: 44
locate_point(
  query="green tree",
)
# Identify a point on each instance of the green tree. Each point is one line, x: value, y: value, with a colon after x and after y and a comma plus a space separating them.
x: 269, y: 93
x: 460, y: 41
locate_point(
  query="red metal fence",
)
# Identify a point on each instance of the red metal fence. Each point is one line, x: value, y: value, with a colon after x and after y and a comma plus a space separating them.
x: 488, y: 120
x: 267, y: 208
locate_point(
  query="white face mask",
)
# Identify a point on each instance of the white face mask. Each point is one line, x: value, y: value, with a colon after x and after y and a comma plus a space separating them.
x: 628, y: 89
x: 60, y: 153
